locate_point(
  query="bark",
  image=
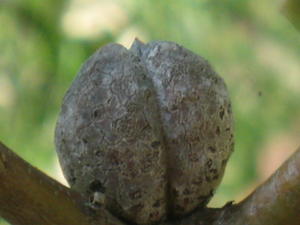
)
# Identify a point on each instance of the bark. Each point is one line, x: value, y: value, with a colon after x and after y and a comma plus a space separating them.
x: 27, y: 196
x: 275, y: 202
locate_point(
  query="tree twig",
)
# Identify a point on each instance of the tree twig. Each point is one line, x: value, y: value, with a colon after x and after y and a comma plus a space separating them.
x: 275, y: 202
x: 27, y: 196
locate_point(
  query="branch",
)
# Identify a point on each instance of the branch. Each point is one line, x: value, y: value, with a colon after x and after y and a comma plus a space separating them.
x: 27, y: 196
x: 275, y: 202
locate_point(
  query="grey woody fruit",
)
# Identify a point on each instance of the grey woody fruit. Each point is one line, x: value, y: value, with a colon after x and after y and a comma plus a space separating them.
x: 150, y: 128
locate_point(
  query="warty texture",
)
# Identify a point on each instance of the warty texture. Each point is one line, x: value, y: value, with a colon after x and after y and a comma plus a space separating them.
x: 150, y: 128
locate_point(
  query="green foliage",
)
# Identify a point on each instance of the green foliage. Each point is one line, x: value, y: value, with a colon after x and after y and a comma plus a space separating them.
x: 291, y: 9
x: 249, y: 43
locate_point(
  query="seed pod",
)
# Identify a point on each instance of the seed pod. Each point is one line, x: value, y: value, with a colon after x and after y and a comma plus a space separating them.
x: 109, y: 138
x: 197, y: 122
x: 149, y: 128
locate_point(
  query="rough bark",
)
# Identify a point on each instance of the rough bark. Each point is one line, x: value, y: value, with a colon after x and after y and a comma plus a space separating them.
x: 27, y: 196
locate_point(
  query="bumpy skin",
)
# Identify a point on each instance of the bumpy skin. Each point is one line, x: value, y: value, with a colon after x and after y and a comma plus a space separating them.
x: 150, y: 128
x: 197, y: 121
x: 109, y: 138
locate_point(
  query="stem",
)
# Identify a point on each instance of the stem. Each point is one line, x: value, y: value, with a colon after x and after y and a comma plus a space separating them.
x: 275, y: 202
x: 27, y: 196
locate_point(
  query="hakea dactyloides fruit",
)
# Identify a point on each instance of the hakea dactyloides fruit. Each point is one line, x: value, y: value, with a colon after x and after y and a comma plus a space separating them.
x: 146, y: 132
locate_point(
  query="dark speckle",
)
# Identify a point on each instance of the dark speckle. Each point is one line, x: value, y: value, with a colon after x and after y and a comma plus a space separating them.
x: 212, y: 149
x: 147, y: 92
x: 72, y: 180
x: 209, y: 163
x: 96, y: 186
x: 154, y: 215
x: 135, y: 195
x: 216, y: 80
x: 214, y: 171
x: 222, y: 114
x: 155, y: 144
x: 175, y: 193
x: 96, y: 113
x: 232, y: 145
x: 84, y: 141
x: 156, y: 204
x: 229, y: 109
x: 137, y: 208
x: 224, y: 162
x: 178, y: 208
x: 207, y: 178
x: 202, y: 198
x: 215, y: 177
x: 198, y: 181
x: 186, y: 201
x: 218, y: 130
x: 186, y: 191
x: 173, y: 107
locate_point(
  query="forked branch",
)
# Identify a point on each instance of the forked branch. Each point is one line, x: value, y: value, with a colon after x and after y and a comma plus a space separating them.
x: 28, y: 196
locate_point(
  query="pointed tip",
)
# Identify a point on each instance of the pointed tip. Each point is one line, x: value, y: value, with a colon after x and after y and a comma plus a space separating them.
x: 137, y: 43
x: 136, y: 39
x: 137, y: 46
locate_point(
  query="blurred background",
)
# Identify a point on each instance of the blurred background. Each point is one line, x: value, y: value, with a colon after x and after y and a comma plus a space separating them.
x: 249, y: 43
